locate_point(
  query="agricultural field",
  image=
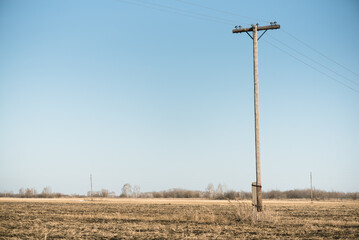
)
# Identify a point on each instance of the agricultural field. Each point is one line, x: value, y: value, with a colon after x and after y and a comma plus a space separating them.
x: 176, y: 219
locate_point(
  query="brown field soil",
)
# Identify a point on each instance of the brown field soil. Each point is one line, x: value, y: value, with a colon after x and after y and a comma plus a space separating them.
x: 175, y: 219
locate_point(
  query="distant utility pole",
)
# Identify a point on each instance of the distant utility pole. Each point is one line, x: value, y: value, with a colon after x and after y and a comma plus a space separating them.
x: 91, y: 195
x: 311, y: 188
x: 255, y: 29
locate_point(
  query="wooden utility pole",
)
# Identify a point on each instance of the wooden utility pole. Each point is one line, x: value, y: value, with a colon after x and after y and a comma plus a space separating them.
x: 91, y: 187
x: 255, y: 29
x: 311, y: 188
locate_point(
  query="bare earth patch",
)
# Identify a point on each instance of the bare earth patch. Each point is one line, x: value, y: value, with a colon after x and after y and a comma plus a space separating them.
x: 175, y: 219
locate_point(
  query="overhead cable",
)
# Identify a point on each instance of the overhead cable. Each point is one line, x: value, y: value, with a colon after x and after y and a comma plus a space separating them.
x: 314, y: 68
x: 317, y: 51
x: 221, y: 11
x: 338, y: 74
x: 187, y: 12
x: 196, y: 16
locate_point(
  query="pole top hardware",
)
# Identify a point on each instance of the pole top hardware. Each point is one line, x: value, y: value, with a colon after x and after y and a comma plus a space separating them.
x: 273, y: 25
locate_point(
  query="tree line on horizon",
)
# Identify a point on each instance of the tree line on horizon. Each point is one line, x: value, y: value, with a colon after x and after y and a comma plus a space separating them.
x: 219, y: 193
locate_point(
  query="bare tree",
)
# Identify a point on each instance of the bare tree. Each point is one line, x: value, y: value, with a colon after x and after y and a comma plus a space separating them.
x: 224, y: 187
x: 46, y: 191
x: 104, y: 193
x: 220, y: 191
x: 136, y: 191
x: 34, y: 192
x: 29, y: 192
x: 126, y: 190
x: 210, y: 191
x: 22, y: 192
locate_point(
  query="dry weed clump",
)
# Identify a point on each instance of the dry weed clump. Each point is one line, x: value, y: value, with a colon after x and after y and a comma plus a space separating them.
x: 245, y: 212
x: 267, y: 216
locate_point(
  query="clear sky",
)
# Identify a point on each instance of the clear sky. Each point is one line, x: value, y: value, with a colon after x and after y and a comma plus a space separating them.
x: 134, y: 92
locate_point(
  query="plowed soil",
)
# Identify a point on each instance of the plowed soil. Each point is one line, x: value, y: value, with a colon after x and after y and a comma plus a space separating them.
x: 176, y: 219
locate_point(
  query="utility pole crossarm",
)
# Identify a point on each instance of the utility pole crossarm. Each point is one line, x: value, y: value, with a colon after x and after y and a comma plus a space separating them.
x: 262, y: 28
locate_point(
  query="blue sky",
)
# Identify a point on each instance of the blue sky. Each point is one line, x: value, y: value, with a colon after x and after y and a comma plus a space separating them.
x: 135, y: 92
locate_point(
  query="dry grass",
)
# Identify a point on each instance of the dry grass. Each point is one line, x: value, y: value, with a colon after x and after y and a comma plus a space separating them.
x: 243, y: 211
x: 175, y: 219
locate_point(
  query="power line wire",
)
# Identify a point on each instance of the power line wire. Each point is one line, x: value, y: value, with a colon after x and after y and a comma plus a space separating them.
x: 338, y: 74
x: 195, y: 16
x: 221, y: 11
x: 165, y: 8
x: 315, y: 50
x: 187, y: 12
x: 314, y: 68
